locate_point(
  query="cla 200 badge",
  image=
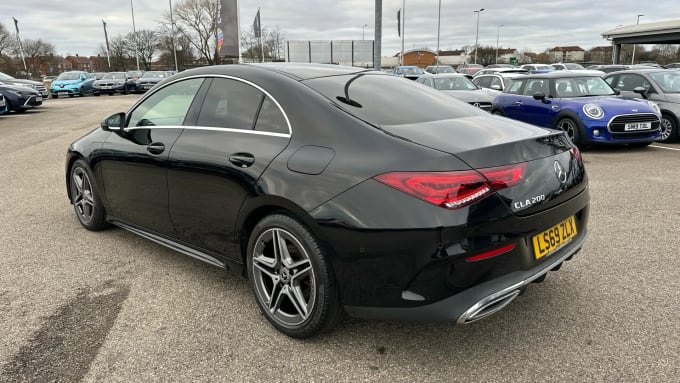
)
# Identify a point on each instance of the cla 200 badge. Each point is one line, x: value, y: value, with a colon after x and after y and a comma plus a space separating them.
x: 528, y: 202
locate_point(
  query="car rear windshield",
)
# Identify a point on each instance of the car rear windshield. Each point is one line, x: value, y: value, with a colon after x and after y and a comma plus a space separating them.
x: 387, y: 100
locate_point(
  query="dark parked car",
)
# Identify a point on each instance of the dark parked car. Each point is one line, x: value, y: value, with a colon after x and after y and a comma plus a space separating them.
x: 149, y: 79
x: 6, y: 79
x: 582, y: 105
x: 20, y: 98
x: 309, y: 182
x: 4, y: 108
x: 114, y: 82
x: 661, y: 86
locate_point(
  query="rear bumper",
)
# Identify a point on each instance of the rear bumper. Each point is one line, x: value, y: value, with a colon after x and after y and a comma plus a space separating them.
x: 474, y: 303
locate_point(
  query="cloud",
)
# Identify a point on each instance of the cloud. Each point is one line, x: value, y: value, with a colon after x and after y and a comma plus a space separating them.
x: 75, y: 26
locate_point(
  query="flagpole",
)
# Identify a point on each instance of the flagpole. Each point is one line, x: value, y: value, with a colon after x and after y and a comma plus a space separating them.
x: 21, y: 48
x: 260, y: 26
x: 238, y: 27
x: 403, y: 29
x: 106, y: 37
x: 134, y: 34
x: 172, y: 37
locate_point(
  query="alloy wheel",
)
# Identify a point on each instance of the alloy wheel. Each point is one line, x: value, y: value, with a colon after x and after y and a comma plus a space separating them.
x: 283, y: 277
x: 568, y: 127
x: 666, y: 128
x: 83, y: 198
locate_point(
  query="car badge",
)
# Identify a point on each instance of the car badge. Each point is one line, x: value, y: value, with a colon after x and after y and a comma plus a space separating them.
x: 635, y: 110
x: 476, y: 105
x: 560, y: 172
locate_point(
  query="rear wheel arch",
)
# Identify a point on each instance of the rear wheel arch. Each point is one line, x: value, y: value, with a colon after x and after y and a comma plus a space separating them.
x: 674, y: 120
x: 255, y: 210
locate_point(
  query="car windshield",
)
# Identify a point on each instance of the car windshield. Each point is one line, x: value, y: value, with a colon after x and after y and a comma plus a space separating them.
x: 6, y: 77
x: 114, y: 76
x: 154, y: 75
x: 574, y: 66
x: 445, y: 69
x: 582, y: 87
x: 69, y: 76
x: 454, y: 83
x: 668, y: 81
x: 373, y: 97
x: 413, y: 71
x: 543, y: 67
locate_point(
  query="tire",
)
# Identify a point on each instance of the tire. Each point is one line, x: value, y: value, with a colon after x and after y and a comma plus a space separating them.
x: 54, y: 96
x: 669, y: 128
x: 125, y: 89
x: 85, y: 197
x: 19, y: 111
x: 497, y: 112
x: 95, y: 94
x: 70, y: 95
x: 297, y: 293
x: 572, y: 128
x: 81, y: 93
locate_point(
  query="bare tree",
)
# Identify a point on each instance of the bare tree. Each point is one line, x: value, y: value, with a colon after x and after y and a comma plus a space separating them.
x: 184, y: 49
x: 118, y: 52
x: 38, y: 53
x: 147, y: 42
x: 7, y: 41
x: 196, y: 20
x: 272, y: 44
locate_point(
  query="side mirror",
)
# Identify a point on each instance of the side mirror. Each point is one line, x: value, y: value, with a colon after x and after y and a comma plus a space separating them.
x: 617, y: 91
x: 641, y: 91
x: 496, y: 87
x: 113, y: 122
x: 539, y: 96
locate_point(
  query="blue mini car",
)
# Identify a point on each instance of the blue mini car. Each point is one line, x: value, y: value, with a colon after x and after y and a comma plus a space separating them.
x: 582, y: 105
x: 72, y: 83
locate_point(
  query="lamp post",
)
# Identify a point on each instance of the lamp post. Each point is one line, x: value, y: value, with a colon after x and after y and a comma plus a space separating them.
x: 632, y: 61
x: 498, y: 36
x: 363, y: 31
x: 439, y: 20
x: 172, y: 36
x: 477, y: 34
x: 134, y: 33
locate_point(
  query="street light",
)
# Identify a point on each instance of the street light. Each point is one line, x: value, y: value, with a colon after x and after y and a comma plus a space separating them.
x: 439, y: 20
x: 498, y: 35
x: 477, y: 35
x: 363, y: 31
x: 632, y: 61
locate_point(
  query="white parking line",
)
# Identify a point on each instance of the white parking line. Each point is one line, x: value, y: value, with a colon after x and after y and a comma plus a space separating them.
x: 664, y: 147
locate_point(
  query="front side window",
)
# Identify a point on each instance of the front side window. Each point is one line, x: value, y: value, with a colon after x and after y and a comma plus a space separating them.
x: 166, y: 107
x: 668, y: 81
x: 514, y: 86
x: 536, y: 85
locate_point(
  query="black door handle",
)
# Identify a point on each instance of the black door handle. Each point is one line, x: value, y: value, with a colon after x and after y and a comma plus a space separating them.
x: 156, y: 148
x: 242, y: 159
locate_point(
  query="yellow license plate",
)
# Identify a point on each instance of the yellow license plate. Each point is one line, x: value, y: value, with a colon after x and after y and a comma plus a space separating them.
x: 554, y: 238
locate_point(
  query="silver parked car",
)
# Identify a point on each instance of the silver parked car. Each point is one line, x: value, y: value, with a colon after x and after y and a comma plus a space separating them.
x: 457, y: 85
x: 659, y: 85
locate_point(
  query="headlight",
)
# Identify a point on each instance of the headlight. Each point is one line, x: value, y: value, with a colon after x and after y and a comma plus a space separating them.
x: 654, y: 106
x: 593, y: 111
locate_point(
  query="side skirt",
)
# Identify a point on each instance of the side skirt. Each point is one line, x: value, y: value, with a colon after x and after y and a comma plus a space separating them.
x: 186, y: 250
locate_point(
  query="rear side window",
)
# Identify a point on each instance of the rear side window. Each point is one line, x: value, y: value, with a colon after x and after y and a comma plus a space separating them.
x: 230, y: 104
x: 387, y: 100
x: 514, y: 86
x: 271, y: 119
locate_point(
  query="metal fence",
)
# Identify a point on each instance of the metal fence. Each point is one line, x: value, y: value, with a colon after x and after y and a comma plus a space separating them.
x: 346, y: 52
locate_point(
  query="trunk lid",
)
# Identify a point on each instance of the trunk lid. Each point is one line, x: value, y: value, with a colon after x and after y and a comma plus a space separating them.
x: 554, y: 172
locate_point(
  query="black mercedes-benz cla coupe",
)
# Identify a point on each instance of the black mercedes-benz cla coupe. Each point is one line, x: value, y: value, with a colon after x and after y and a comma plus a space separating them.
x: 334, y: 189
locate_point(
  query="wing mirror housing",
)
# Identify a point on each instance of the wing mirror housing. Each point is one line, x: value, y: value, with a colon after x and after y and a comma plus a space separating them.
x: 539, y: 96
x: 113, y: 123
x: 496, y: 87
x: 641, y: 91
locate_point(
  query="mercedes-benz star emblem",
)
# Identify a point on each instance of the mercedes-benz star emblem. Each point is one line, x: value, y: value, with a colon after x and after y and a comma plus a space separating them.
x: 476, y: 105
x: 560, y: 172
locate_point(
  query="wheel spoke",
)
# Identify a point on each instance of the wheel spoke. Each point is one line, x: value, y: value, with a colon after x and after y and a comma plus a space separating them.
x: 266, y: 269
x: 302, y: 268
x: 275, y: 302
x: 281, y: 249
x: 78, y: 182
x: 298, y: 300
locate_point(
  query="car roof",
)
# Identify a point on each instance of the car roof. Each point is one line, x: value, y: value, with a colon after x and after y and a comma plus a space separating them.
x: 296, y: 71
x: 442, y: 75
x: 560, y: 74
x: 640, y: 71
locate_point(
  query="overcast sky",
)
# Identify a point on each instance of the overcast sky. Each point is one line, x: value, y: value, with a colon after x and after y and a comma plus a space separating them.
x: 75, y: 26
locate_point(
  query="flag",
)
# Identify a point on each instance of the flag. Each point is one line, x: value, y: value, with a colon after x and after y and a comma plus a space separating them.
x: 16, y: 24
x: 257, y: 27
x: 227, y: 28
x: 399, y: 22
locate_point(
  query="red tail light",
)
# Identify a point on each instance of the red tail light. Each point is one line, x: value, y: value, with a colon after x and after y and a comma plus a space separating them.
x: 576, y: 153
x: 454, y: 189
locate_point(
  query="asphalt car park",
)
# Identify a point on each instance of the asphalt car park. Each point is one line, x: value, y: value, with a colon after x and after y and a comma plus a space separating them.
x: 112, y: 306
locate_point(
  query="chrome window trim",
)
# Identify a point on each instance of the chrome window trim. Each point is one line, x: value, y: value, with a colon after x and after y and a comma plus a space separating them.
x: 210, y: 128
x: 206, y: 76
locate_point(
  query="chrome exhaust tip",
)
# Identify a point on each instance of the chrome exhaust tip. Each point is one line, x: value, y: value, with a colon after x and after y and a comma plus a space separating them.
x: 490, y: 305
